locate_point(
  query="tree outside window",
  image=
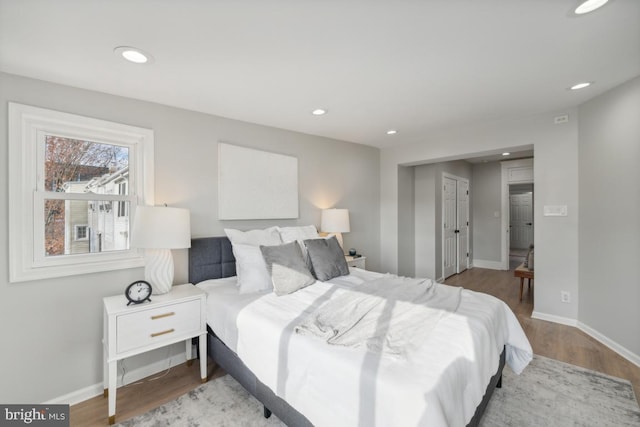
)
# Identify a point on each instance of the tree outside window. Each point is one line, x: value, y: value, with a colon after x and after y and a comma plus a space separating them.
x: 86, y: 167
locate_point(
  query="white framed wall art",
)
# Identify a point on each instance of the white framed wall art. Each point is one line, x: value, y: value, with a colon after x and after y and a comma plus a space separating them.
x: 256, y: 184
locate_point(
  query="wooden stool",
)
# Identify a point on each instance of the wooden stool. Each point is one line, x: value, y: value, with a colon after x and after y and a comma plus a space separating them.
x: 523, y: 273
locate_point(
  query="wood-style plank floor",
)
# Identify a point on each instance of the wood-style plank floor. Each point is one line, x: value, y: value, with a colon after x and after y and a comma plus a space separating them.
x: 142, y: 396
x: 564, y: 343
x: 552, y: 340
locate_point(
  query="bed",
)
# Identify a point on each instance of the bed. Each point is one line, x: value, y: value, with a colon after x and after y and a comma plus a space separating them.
x: 305, y: 382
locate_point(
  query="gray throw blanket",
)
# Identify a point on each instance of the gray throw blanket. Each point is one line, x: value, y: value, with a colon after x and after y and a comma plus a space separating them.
x: 389, y: 315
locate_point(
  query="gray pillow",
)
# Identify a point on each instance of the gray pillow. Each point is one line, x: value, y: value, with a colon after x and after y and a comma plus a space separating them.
x: 326, y: 258
x: 287, y: 268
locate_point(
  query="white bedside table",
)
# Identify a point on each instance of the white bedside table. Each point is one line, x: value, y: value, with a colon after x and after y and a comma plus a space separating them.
x: 356, y: 262
x: 178, y: 315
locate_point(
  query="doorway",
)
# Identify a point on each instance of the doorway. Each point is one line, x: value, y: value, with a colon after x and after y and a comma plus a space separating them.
x: 520, y: 222
x: 517, y: 179
x: 455, y: 225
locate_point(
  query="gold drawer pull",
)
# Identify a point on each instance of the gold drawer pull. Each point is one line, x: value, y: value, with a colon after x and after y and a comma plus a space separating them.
x: 160, y: 316
x: 157, y: 334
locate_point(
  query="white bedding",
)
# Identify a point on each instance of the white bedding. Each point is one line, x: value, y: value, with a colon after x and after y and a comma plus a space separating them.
x: 391, y: 314
x: 438, y: 384
x: 224, y: 302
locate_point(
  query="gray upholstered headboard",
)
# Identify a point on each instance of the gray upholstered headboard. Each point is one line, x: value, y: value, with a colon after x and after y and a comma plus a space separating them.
x: 210, y: 258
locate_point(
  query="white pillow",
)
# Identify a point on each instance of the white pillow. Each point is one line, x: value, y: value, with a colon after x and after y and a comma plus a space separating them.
x: 301, y: 233
x: 250, y: 266
x: 268, y: 236
x: 251, y: 269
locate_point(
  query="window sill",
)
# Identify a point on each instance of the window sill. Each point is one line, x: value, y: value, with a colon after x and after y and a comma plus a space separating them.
x: 48, y: 272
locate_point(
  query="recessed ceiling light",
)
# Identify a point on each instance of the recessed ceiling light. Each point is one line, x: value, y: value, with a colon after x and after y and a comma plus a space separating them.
x: 580, y: 85
x: 589, y: 6
x: 133, y: 54
x: 319, y: 112
x: 392, y: 132
x: 506, y: 153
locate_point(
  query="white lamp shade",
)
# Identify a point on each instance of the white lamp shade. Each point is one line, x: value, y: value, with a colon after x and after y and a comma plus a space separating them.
x: 157, y: 227
x: 335, y: 221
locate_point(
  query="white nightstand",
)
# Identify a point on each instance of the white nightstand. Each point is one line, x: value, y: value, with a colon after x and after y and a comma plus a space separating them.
x: 169, y: 318
x: 358, y: 262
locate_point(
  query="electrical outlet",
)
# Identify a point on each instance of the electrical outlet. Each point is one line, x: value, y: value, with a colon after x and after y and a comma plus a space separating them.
x: 565, y: 297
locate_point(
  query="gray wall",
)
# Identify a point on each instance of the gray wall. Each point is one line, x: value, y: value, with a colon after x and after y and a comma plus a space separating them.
x: 428, y: 214
x: 52, y: 329
x: 425, y: 221
x: 407, y: 227
x: 487, y: 185
x: 609, y: 176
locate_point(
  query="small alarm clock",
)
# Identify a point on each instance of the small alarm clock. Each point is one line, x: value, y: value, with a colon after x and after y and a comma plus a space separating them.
x: 138, y: 292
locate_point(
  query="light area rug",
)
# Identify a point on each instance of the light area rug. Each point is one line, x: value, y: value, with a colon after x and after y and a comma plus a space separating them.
x: 548, y: 393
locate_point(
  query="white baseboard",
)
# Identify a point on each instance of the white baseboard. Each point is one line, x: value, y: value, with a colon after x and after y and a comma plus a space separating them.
x: 491, y: 265
x: 621, y: 350
x: 77, y: 396
x: 131, y: 377
x: 555, y: 319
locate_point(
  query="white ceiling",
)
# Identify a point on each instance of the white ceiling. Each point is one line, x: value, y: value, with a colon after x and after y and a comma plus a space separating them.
x: 416, y: 66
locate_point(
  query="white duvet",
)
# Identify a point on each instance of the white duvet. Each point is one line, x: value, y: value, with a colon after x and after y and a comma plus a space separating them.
x: 438, y: 383
x: 390, y: 315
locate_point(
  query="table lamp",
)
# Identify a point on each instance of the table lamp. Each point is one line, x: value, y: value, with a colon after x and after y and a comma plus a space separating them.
x: 157, y: 230
x: 335, y: 222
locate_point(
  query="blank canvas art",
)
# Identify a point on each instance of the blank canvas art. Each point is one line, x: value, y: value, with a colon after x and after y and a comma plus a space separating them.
x: 256, y: 184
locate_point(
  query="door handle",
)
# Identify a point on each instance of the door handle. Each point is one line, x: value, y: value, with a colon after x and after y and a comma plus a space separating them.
x: 529, y: 223
x: 456, y: 231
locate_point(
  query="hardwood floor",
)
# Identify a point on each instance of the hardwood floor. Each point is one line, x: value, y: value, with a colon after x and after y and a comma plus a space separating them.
x: 142, y: 396
x: 552, y: 340
x: 548, y: 339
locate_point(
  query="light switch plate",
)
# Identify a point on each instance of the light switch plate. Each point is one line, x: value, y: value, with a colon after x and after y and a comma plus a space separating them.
x: 555, y: 210
x: 561, y: 119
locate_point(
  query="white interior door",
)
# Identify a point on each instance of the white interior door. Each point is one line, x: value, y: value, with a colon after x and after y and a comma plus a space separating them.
x: 455, y: 225
x: 449, y: 223
x: 521, y: 220
x: 462, y: 261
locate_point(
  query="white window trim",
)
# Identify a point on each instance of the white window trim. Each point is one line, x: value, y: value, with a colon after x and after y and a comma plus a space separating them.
x: 120, y: 209
x: 26, y: 124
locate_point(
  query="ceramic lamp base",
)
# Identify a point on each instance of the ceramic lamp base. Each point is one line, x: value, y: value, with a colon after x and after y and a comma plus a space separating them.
x: 159, y: 270
x: 338, y: 237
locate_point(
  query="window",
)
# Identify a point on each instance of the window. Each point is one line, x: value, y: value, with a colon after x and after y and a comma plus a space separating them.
x: 82, y: 232
x: 73, y: 183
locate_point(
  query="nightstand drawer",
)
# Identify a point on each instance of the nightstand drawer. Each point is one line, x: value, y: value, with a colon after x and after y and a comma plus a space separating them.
x: 358, y: 262
x: 157, y: 325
